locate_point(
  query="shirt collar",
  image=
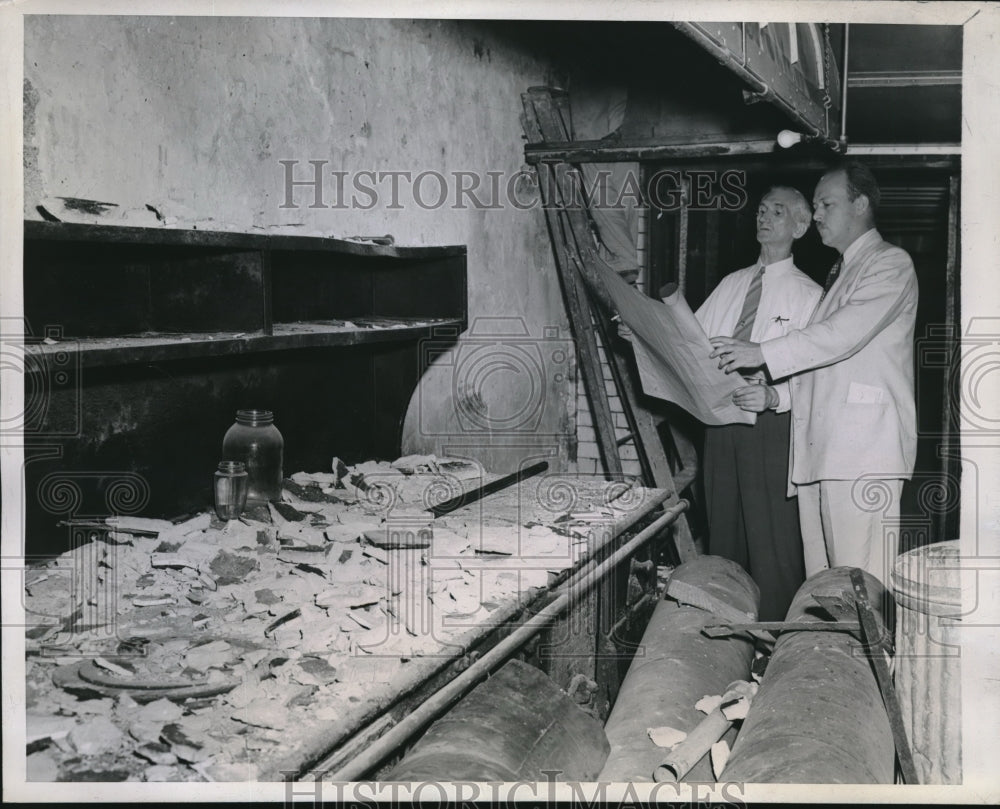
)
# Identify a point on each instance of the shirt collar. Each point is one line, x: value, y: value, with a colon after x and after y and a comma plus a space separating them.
x: 853, y: 248
x: 784, y: 265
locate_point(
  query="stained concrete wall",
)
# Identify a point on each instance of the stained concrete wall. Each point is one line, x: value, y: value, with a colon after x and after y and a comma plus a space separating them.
x: 193, y: 115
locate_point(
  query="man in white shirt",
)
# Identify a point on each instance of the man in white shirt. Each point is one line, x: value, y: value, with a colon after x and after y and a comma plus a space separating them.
x: 851, y: 381
x: 752, y: 514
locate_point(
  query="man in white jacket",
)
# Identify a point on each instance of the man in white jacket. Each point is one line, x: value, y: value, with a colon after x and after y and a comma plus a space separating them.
x: 851, y: 383
x: 752, y: 519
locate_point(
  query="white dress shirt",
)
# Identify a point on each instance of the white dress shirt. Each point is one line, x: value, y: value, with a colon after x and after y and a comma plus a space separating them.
x: 787, y: 299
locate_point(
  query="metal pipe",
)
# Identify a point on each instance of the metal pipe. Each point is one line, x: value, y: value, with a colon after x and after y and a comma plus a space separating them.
x: 818, y: 717
x: 684, y: 756
x: 646, y: 149
x: 843, y: 92
x: 905, y: 149
x: 675, y: 666
x: 948, y: 427
x: 454, y: 690
x: 488, y: 488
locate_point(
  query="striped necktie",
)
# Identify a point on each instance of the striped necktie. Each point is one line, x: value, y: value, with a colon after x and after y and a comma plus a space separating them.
x: 832, y: 275
x: 745, y: 324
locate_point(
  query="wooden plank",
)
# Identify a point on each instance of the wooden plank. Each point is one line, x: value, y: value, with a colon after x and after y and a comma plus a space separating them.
x: 598, y: 151
x: 655, y: 468
x: 568, y: 186
x: 170, y: 237
x: 95, y: 352
x: 579, y: 311
x: 546, y: 117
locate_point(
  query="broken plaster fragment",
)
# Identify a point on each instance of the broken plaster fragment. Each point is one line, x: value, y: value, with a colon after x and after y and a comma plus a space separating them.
x: 263, y: 712
x: 43, y: 726
x: 161, y: 710
x: 666, y: 736
x: 96, y: 736
x: 708, y: 703
x: 736, y: 709
x: 231, y: 568
x: 720, y: 755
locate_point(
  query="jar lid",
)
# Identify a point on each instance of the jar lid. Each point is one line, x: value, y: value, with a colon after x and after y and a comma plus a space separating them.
x: 254, y: 417
x: 233, y: 467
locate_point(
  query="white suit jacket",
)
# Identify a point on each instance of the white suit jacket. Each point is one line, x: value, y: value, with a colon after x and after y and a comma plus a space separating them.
x: 787, y: 299
x: 851, y: 371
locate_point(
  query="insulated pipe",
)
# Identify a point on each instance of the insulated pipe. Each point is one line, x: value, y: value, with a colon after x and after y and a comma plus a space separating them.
x: 445, y: 697
x: 675, y: 666
x: 818, y: 717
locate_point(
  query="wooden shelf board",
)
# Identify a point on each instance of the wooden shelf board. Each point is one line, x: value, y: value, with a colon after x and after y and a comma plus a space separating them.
x: 107, y: 351
x: 176, y: 237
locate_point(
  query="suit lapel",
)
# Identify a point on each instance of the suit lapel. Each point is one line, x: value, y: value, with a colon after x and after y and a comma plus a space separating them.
x: 846, y: 280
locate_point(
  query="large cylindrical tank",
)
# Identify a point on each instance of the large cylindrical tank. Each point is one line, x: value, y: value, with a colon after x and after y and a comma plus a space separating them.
x: 674, y: 667
x: 515, y: 726
x: 818, y: 717
x: 928, y: 595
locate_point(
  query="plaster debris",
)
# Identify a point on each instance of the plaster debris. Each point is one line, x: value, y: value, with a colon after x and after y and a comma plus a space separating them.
x: 96, y: 736
x: 41, y: 766
x: 243, y: 637
x: 40, y: 726
x: 145, y: 730
x: 157, y: 753
x: 159, y: 711
x: 666, y: 736
x: 708, y: 703
x: 720, y: 755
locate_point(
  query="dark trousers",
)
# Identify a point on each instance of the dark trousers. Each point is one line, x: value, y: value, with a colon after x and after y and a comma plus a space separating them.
x: 750, y: 520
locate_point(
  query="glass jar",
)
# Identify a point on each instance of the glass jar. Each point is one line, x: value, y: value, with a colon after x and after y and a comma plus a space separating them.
x: 231, y: 481
x: 255, y: 441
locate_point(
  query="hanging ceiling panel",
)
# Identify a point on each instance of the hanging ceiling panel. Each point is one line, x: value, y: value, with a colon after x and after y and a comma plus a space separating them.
x: 790, y: 65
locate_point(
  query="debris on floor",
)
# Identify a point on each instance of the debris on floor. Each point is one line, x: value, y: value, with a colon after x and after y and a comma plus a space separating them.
x: 183, y: 652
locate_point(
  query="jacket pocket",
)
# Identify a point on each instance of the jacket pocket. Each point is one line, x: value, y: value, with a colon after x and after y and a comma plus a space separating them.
x: 866, y: 395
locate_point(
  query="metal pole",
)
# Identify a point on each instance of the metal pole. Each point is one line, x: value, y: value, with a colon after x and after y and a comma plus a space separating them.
x: 843, y: 93
x: 450, y: 693
x: 952, y: 337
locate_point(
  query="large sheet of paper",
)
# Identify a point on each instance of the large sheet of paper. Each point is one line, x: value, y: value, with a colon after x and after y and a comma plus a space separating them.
x: 671, y: 352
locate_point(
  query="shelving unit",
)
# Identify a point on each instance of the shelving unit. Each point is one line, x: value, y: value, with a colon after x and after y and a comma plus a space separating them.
x: 123, y: 294
x: 143, y: 343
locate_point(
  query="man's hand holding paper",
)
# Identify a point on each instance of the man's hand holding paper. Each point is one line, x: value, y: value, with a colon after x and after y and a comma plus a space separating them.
x: 736, y: 355
x: 672, y: 354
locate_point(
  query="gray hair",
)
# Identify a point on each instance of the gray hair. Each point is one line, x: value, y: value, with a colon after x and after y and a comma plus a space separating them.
x: 800, y: 209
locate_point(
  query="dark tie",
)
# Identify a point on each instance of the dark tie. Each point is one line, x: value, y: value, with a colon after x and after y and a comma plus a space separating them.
x: 832, y: 275
x: 745, y: 324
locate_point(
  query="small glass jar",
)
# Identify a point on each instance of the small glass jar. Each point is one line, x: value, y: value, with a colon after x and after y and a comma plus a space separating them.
x: 231, y: 481
x: 256, y: 442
